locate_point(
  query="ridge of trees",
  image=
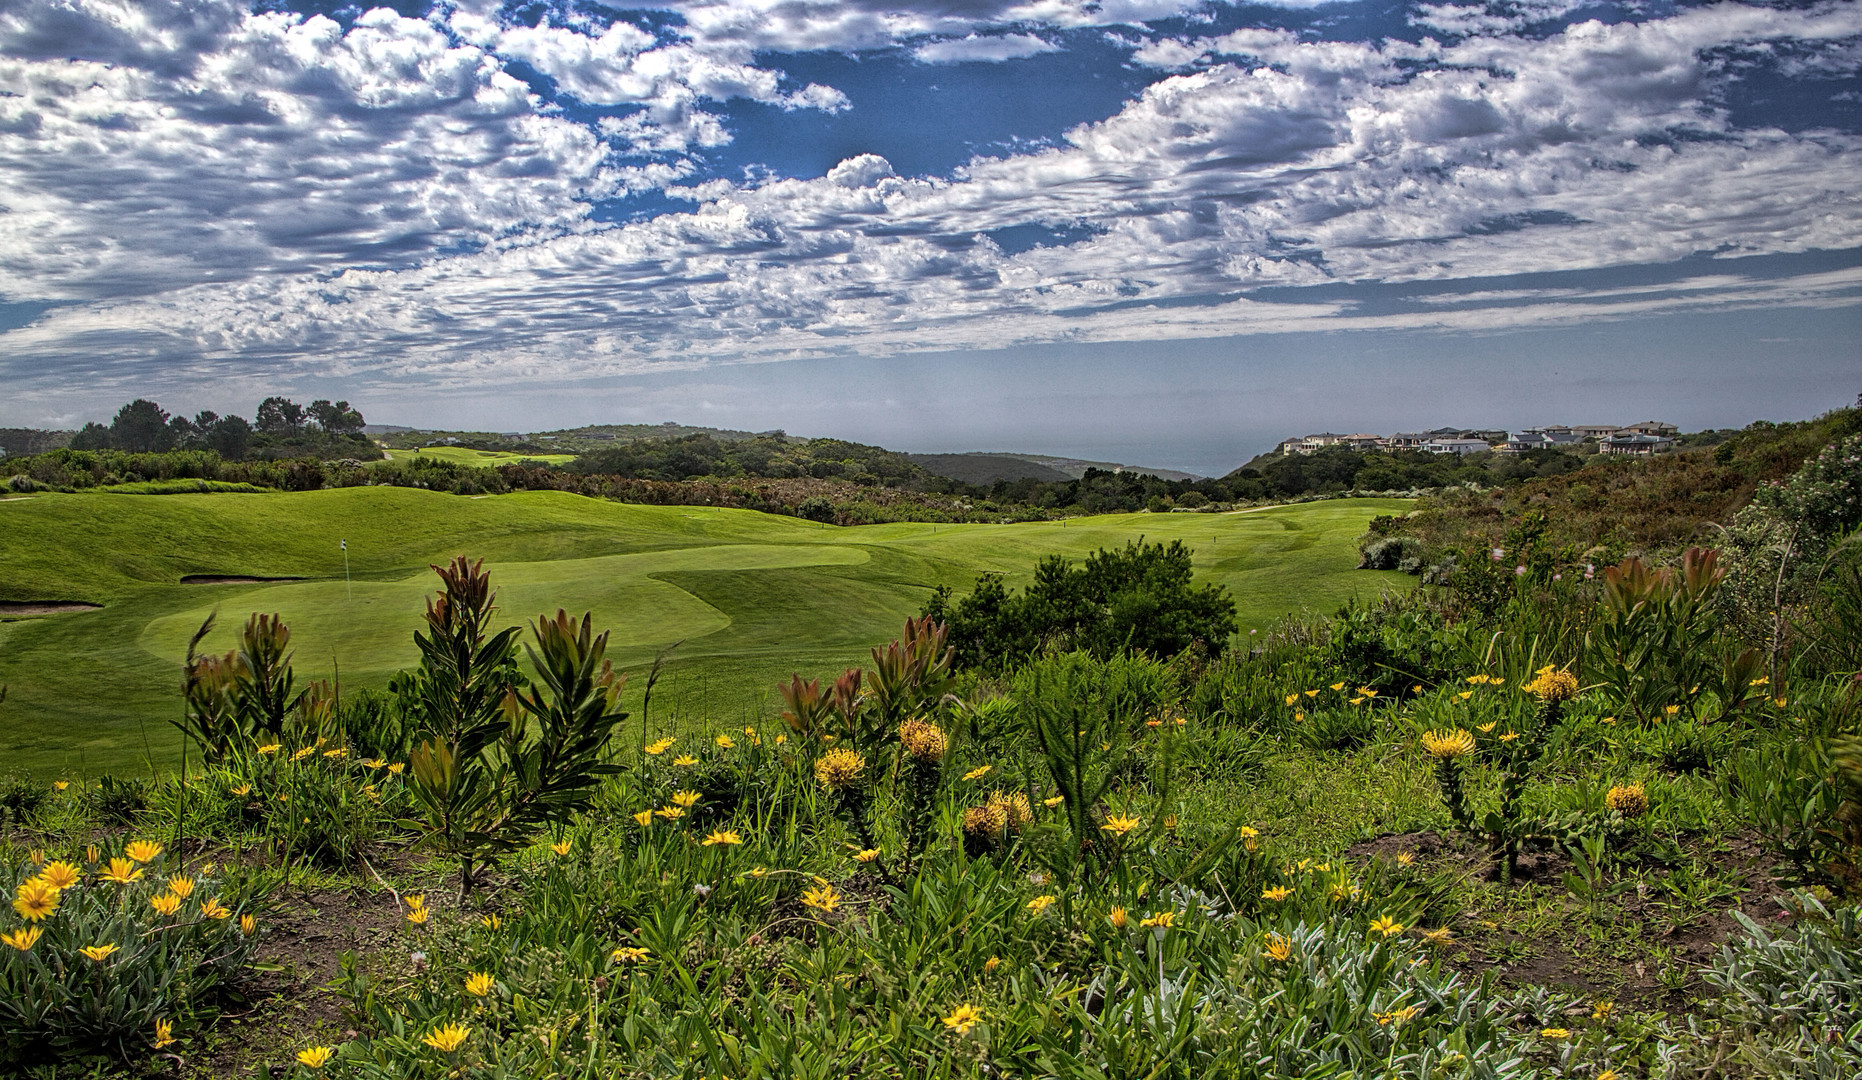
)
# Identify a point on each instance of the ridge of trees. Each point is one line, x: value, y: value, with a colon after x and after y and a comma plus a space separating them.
x: 280, y: 428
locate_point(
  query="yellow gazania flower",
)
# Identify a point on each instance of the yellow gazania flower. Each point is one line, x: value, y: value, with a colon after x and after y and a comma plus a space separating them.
x: 1278, y: 948
x: 181, y: 886
x: 1338, y: 686
x: 822, y: 898
x: 1365, y: 691
x: 99, y: 953
x: 60, y: 874
x: 316, y: 1057
x: 447, y: 1038
x: 670, y: 813
x: 685, y: 759
x: 164, y: 1033
x: 35, y: 900
x: 978, y: 773
x: 1398, y: 1017
x: 1439, y: 936
x: 1119, y: 826
x: 1465, y: 694
x: 1277, y: 893
x: 1053, y: 802
x: 213, y: 909
x: 1311, y: 693
x: 492, y: 922
x: 1247, y: 832
x: 866, y: 856
x: 374, y: 762
x: 991, y: 964
x: 248, y: 925
x: 1406, y: 858
x: 655, y: 749
x: 243, y: 790
x: 1487, y: 728
x: 1553, y: 685
x: 1041, y: 903
x: 1416, y: 689
x: 1780, y: 701
x: 24, y: 938
x: 92, y: 853
x: 419, y: 916
x: 629, y: 955
x: 1299, y: 717
x: 563, y: 847
x: 644, y: 818
x: 269, y: 748
x: 336, y: 753
x: 1602, y: 1011
x: 724, y: 742
x: 167, y: 903
x: 1607, y: 720
x: 1555, y: 1033
x: 396, y: 767
x: 478, y: 984
x: 1671, y: 709
x: 1476, y: 680
x: 686, y: 799
x: 143, y: 850
x: 963, y: 1018
x: 721, y: 836
x: 1163, y: 920
x: 1508, y: 736
x: 304, y: 753
x: 1293, y: 697
x: 1387, y: 926
x: 1607, y: 1074
x: 1119, y: 918
x: 1357, y: 701
x: 415, y: 901
x: 60, y: 785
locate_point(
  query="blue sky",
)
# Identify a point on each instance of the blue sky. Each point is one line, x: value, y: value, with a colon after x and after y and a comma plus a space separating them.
x: 1145, y: 230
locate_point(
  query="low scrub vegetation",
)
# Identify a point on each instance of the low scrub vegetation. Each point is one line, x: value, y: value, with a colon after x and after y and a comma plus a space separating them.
x: 1563, y: 821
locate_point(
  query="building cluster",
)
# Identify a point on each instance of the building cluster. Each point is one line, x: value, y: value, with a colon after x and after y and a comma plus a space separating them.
x: 1638, y: 440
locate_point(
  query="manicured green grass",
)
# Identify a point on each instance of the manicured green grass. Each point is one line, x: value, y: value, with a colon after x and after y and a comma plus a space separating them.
x: 467, y: 456
x: 748, y: 597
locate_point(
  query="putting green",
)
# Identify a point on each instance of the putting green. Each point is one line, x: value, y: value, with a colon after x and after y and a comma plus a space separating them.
x: 748, y: 597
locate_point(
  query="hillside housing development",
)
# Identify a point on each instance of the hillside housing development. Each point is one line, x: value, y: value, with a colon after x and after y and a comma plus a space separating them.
x: 1639, y: 440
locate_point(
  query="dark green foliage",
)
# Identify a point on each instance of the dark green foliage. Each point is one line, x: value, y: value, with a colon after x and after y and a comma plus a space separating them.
x: 120, y: 800
x: 1139, y: 598
x: 773, y: 455
x: 21, y: 798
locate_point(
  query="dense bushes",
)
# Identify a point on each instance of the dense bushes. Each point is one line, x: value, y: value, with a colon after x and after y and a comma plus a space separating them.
x: 1137, y: 598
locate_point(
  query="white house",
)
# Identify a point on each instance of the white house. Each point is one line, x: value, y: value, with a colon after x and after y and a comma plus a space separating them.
x: 1456, y: 446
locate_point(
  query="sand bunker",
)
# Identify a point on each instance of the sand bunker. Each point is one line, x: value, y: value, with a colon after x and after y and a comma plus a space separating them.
x: 44, y: 607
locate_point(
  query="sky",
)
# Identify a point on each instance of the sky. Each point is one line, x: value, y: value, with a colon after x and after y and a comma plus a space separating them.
x: 1151, y: 231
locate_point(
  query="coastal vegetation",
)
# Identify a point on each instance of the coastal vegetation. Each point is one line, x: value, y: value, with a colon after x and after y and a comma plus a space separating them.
x: 1570, y: 817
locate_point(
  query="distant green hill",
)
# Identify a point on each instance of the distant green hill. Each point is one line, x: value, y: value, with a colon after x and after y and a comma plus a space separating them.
x: 985, y: 469
x: 751, y: 597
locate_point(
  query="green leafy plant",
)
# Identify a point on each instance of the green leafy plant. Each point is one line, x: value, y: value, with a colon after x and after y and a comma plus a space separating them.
x: 112, y: 953
x: 497, y: 761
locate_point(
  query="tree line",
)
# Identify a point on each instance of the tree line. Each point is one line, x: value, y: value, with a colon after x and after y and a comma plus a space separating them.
x: 280, y: 425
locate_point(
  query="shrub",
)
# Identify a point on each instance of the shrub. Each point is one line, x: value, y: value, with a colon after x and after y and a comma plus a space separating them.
x: 161, y: 940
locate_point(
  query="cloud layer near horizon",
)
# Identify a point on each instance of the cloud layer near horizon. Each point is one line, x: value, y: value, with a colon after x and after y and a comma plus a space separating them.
x: 398, y: 199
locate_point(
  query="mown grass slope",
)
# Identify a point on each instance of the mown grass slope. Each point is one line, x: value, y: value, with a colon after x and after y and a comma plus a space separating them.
x: 749, y: 597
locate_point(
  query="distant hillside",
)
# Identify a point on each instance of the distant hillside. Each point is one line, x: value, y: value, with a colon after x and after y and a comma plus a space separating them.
x: 987, y: 467
x: 984, y: 469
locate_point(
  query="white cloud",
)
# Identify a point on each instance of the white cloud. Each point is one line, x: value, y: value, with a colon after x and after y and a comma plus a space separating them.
x: 992, y: 50
x: 1285, y: 162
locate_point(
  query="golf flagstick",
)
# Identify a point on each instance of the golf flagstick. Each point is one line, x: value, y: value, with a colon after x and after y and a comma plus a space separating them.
x: 348, y: 588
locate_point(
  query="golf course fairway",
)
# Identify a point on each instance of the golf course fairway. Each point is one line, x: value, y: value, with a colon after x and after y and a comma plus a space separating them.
x: 747, y: 597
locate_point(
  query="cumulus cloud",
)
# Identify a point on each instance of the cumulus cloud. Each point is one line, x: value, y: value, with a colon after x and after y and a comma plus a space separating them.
x: 1199, y: 209
x: 991, y: 50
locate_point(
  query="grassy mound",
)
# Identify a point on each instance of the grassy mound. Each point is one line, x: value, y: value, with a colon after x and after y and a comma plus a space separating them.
x: 751, y: 597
